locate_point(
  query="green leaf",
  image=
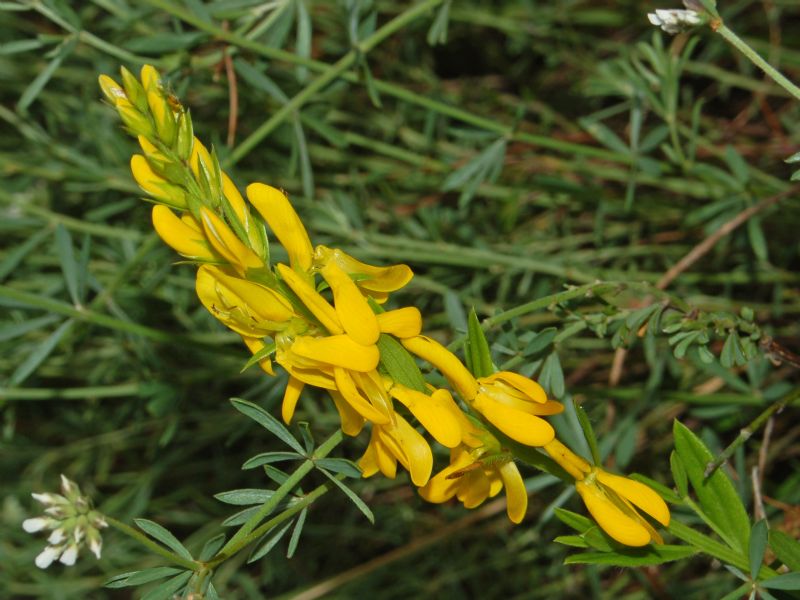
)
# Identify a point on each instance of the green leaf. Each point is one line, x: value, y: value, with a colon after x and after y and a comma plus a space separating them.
x: 787, y: 581
x: 270, y: 457
x: 786, y: 548
x: 245, y: 496
x: 211, y: 547
x: 353, y: 497
x: 541, y: 341
x: 633, y: 557
x: 726, y: 357
x: 69, y: 265
x: 400, y: 365
x: 267, y: 421
x: 39, y: 354
x: 168, y: 589
x: 551, y: 377
x: 298, y: 529
x: 478, y: 355
x: 140, y: 577
x: 437, y: 34
x: 163, y: 535
x: 717, y: 496
x: 37, y: 85
x: 588, y: 432
x: 339, y: 465
x: 576, y: 541
x: 679, y: 474
x: 486, y: 166
x: 269, y: 541
x: 577, y: 521
x: 758, y: 545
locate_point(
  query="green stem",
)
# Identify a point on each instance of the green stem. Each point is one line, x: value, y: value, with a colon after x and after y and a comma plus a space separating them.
x: 756, y: 59
x: 750, y: 429
x: 78, y: 393
x: 245, y: 534
x: 146, y: 541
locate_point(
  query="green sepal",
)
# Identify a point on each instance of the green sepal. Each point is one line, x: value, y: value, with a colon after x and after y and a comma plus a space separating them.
x: 478, y: 355
x: 400, y: 365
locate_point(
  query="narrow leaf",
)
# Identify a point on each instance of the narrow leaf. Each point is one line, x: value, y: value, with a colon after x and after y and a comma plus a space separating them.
x: 163, y: 535
x: 399, y: 364
x: 633, y: 557
x: 267, y: 421
x: 269, y: 542
x: 339, y: 465
x: 353, y: 496
x: 479, y: 357
x: 758, y: 545
x: 786, y: 548
x: 245, y: 497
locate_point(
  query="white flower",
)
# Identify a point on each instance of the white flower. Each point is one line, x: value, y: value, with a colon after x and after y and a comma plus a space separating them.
x: 37, y: 524
x: 48, y: 499
x: 68, y: 487
x: 47, y: 556
x: 69, y: 556
x: 674, y: 20
x: 56, y: 537
x: 96, y: 546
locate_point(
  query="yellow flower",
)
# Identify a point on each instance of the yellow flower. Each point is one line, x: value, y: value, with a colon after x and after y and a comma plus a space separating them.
x: 227, y: 244
x: 155, y: 185
x: 376, y: 282
x: 393, y: 442
x: 507, y: 400
x: 183, y: 234
x: 472, y: 481
x: 612, y: 499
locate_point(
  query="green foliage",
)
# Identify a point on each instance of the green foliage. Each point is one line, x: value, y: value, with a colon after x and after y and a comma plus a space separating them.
x: 518, y: 147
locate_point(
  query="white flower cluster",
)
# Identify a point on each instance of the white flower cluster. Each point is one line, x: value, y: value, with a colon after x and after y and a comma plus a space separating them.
x: 72, y: 522
x: 675, y: 20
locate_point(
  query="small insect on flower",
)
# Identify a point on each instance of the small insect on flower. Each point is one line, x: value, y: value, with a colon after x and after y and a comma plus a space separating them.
x: 72, y: 523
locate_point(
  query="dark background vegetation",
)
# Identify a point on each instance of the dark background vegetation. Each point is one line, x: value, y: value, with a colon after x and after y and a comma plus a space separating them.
x: 113, y: 374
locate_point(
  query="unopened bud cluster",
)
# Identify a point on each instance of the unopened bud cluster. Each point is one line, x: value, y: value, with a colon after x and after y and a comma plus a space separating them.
x: 72, y: 523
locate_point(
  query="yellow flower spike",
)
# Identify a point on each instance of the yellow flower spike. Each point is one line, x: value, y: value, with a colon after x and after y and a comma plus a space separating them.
x: 282, y: 219
x: 573, y: 464
x: 290, y: 397
x: 256, y: 345
x: 312, y: 299
x: 401, y: 323
x: 180, y: 236
x: 350, y: 392
x: 155, y: 185
x: 351, y: 307
x: 518, y: 425
x: 530, y: 389
x: 374, y: 279
x: 352, y: 421
x: 227, y: 244
x: 430, y: 412
x: 638, y: 494
x: 339, y: 351
x: 516, y: 494
x: 615, y: 522
x: 447, y: 362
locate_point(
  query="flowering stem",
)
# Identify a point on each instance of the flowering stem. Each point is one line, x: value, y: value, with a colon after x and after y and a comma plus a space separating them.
x: 248, y: 532
x: 756, y: 59
x: 146, y: 541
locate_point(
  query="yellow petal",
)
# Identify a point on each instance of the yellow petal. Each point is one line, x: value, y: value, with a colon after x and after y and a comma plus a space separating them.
x: 611, y: 519
x: 638, y: 494
x: 567, y: 459
x: 352, y: 422
x: 113, y: 91
x: 520, y: 426
x: 314, y: 377
x: 551, y: 407
x: 227, y: 244
x: 474, y: 489
x: 290, y: 397
x: 199, y: 153
x: 178, y: 235
x: 281, y: 217
x: 433, y: 416
x: 150, y: 150
x: 351, y: 307
x: 368, y: 463
x: 149, y: 77
x: 387, y: 461
x: 377, y: 279
x: 339, y: 351
x: 155, y: 185
x: 239, y: 206
x: 402, y: 322
x: 440, y: 489
x: 417, y: 455
x: 264, y: 303
x: 256, y: 345
x: 371, y: 386
x: 312, y: 299
x: 529, y: 388
x: 444, y: 360
x: 516, y: 495
x: 349, y: 391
